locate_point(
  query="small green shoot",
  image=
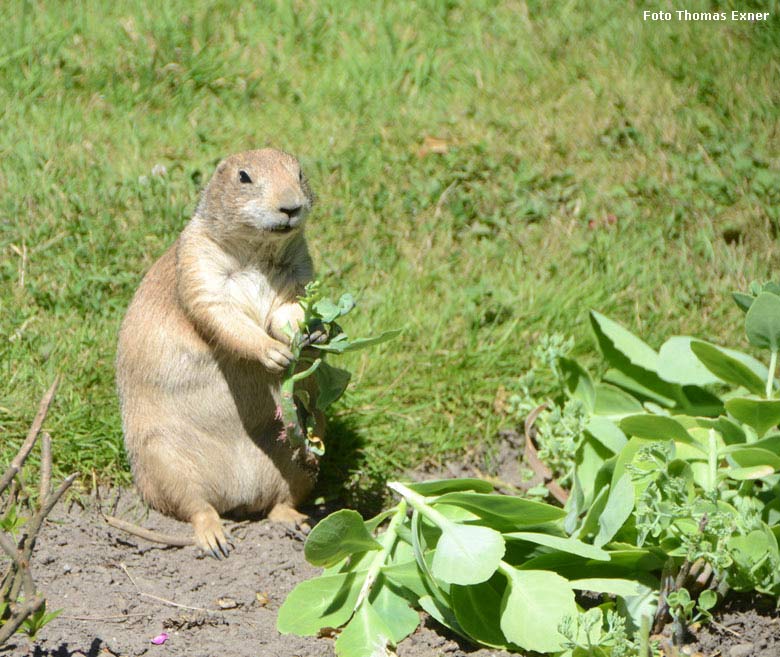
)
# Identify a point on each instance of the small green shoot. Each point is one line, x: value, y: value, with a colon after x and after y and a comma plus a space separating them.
x: 37, y: 620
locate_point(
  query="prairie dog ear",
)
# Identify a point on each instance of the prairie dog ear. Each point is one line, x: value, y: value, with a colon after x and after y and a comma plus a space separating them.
x: 221, y: 167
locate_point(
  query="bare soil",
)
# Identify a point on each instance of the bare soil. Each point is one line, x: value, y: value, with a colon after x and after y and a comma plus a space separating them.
x: 117, y: 592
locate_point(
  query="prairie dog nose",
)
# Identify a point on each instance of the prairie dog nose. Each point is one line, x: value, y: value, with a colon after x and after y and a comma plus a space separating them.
x: 291, y: 211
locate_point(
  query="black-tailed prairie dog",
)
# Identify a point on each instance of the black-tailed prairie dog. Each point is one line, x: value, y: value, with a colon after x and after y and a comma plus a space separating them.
x: 203, y: 346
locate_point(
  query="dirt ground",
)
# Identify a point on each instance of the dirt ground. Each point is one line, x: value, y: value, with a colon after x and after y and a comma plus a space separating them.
x: 118, y: 593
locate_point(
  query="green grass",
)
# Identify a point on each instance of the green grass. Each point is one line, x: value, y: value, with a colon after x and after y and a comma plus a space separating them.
x: 556, y: 115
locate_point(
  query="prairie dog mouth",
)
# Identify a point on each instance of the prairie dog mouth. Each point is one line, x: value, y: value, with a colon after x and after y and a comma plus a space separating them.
x: 283, y: 228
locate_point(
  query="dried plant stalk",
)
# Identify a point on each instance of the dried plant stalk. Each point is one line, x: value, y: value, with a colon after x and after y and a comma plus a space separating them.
x: 17, y: 586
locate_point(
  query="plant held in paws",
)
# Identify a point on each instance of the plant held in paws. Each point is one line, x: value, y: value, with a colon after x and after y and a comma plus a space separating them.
x: 22, y: 607
x: 318, y: 336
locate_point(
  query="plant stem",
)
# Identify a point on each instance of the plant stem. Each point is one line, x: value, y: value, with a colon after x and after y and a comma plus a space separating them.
x: 419, y: 503
x: 387, y: 541
x: 713, y: 463
x: 306, y: 372
x: 770, y: 379
x: 644, y: 637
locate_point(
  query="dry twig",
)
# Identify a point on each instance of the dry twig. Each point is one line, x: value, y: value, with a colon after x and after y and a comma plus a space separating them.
x: 149, y: 534
x: 17, y: 587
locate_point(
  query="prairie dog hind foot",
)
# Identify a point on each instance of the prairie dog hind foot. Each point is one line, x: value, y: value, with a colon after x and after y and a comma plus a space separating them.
x: 285, y: 514
x: 210, y: 536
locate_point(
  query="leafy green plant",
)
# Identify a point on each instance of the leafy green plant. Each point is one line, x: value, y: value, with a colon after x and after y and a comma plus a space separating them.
x: 318, y: 332
x: 497, y: 570
x: 674, y: 477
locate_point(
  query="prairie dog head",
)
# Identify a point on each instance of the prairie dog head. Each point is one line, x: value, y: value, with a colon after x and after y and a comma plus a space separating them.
x: 258, y: 195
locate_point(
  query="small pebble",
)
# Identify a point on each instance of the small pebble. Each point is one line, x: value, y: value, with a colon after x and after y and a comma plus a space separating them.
x: 227, y: 603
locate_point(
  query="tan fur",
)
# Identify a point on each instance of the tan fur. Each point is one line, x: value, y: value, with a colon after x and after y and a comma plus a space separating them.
x: 202, y: 347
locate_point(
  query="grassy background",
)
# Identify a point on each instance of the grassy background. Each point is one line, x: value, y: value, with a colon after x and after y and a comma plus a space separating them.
x: 593, y: 161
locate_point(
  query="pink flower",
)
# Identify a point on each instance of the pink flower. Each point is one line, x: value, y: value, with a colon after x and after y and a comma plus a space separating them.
x: 160, y: 639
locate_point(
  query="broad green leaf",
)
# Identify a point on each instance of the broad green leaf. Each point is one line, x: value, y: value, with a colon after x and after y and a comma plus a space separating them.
x: 761, y: 414
x: 354, y: 563
x: 626, y: 456
x: 358, y: 343
x: 731, y: 366
x: 699, y: 401
x: 340, y: 534
x: 467, y: 554
x: 645, y: 385
x: 570, y: 545
x: 619, y: 506
x: 457, y: 513
x: 607, y: 433
x: 378, y: 519
x: 637, y: 607
x: 327, y: 310
x: 591, y: 520
x: 589, y: 459
x: 612, y: 586
x: 578, y: 382
x: 332, y: 382
x: 749, y: 473
x: 625, y: 342
x: 478, y: 610
x: 762, y: 322
x: 625, y: 562
x: 366, y: 635
x: 612, y: 402
x: 534, y: 604
x: 771, y: 443
x: 504, y: 512
x: 574, y: 505
x: 441, y: 612
x: 441, y: 486
x: 678, y: 364
x: 393, y: 608
x: 346, y: 303
x: 402, y: 551
x: 656, y: 427
x: 744, y: 301
x: 419, y: 544
x: 771, y: 515
x: 731, y: 432
x: 326, y: 601
x: 750, y: 456
x: 408, y: 575
x: 749, y: 550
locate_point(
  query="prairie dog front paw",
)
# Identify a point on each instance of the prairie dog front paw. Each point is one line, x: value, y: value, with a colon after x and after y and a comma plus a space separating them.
x: 275, y: 355
x: 289, y: 315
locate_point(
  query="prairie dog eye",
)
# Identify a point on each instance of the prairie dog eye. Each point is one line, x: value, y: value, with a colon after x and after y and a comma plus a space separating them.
x: 300, y: 175
x: 243, y: 176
